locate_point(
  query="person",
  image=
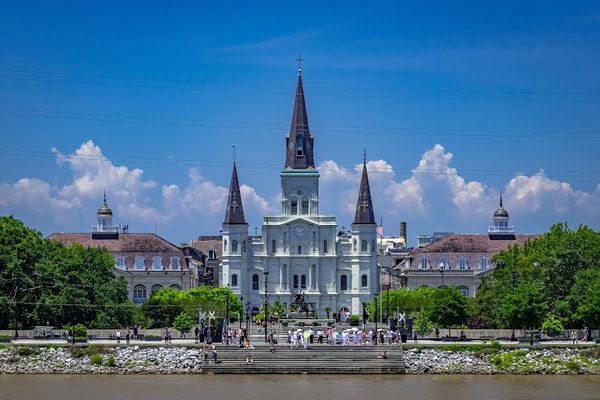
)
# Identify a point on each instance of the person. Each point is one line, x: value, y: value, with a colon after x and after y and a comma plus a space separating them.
x: 249, y: 359
x: 573, y: 337
x: 170, y: 335
x: 463, y: 336
x: 127, y: 336
x: 437, y: 333
x: 135, y: 332
x: 118, y: 336
x: 214, y: 356
x: 383, y: 355
x: 415, y: 337
x: 196, y: 334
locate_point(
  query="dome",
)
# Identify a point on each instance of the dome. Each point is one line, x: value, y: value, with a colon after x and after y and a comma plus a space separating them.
x: 500, y: 213
x: 104, y: 210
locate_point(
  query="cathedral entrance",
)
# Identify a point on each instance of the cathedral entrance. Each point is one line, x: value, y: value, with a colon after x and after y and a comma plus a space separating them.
x: 344, y: 313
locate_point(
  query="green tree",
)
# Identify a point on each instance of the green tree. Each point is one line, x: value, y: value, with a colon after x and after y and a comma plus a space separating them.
x: 422, y: 325
x: 525, y: 307
x: 552, y: 326
x: 588, y: 312
x: 448, y: 307
x: 163, y: 306
x: 183, y: 322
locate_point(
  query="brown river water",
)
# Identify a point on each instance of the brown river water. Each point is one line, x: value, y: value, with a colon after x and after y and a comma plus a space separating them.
x: 305, y: 387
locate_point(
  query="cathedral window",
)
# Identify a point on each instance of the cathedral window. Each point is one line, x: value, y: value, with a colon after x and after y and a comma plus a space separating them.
x: 364, y: 281
x: 243, y: 246
x: 462, y: 263
x: 234, y: 280
x: 155, y: 288
x: 212, y: 254
x: 304, y: 206
x: 299, y: 146
x: 303, y: 282
x: 325, y: 247
x: 273, y: 246
x: 484, y: 263
x: 139, y: 294
x: 175, y: 286
x: 294, y: 210
x: 363, y: 246
x: 354, y: 245
x: 299, y: 249
x: 343, y: 282
x: 225, y: 245
x: 234, y: 246
x: 255, y: 282
x: 295, y: 281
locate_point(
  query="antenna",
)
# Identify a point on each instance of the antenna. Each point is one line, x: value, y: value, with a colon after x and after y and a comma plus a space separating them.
x: 365, y: 155
x: 300, y: 59
x: 234, y: 153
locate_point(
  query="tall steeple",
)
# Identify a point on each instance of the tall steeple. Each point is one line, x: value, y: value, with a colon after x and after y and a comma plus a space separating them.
x: 364, y: 205
x: 234, y: 214
x: 299, y: 143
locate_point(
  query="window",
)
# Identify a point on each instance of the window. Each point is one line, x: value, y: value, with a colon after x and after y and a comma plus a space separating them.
x: 363, y: 281
x: 175, y: 286
x: 139, y: 262
x: 139, y: 294
x: 225, y: 245
x: 120, y: 262
x: 243, y: 246
x: 303, y: 282
x: 464, y: 290
x: 212, y: 254
x: 294, y: 209
x: 273, y: 246
x: 484, y: 263
x: 295, y: 281
x: 325, y: 248
x: 424, y: 263
x: 363, y: 246
x: 284, y: 242
x: 299, y: 146
x: 234, y: 281
x: 343, y: 282
x: 462, y: 263
x: 175, y: 263
x: 304, y: 206
x: 443, y: 263
x: 354, y: 246
x: 255, y: 282
x: 157, y: 262
x: 155, y: 288
x: 234, y: 246
x: 299, y: 249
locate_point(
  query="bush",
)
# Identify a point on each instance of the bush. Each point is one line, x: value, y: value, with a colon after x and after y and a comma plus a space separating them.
x: 110, y: 361
x: 495, y: 345
x: 92, y: 349
x: 552, y: 326
x: 26, y: 351
x: 96, y: 359
x: 353, y: 320
x: 315, y: 323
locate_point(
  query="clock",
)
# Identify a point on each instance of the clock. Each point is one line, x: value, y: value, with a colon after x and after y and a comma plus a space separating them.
x: 299, y: 231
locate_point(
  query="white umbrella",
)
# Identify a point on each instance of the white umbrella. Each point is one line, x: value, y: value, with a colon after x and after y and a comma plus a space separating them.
x: 354, y: 329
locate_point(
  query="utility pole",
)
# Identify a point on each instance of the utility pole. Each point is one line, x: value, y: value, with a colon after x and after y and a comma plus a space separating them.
x: 266, y: 274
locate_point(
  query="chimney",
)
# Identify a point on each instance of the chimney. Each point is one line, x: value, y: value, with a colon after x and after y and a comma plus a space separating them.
x: 403, y: 232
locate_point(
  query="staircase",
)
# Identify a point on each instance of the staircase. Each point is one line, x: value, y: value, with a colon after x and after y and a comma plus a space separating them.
x: 318, y: 359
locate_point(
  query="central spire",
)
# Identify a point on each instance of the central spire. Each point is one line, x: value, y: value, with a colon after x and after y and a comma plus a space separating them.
x: 364, y: 205
x: 234, y: 214
x: 299, y: 143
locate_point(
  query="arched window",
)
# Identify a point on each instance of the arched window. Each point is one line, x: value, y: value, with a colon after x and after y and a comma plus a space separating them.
x: 299, y: 249
x: 443, y: 264
x: 243, y: 246
x: 157, y: 262
x: 464, y: 290
x: 273, y: 246
x: 234, y: 281
x: 139, y: 294
x: 424, y: 263
x: 175, y: 286
x: 174, y: 263
x: 325, y: 247
x: 255, y: 282
x: 343, y: 282
x: 225, y: 245
x: 364, y: 281
x: 155, y: 288
x: 484, y: 263
x: 303, y: 282
x: 363, y: 246
x: 295, y: 281
x: 354, y: 245
x: 462, y: 263
x: 299, y: 146
x: 212, y: 254
x: 234, y: 246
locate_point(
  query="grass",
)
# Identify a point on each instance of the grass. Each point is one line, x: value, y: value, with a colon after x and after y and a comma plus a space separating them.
x: 96, y: 359
x: 110, y: 361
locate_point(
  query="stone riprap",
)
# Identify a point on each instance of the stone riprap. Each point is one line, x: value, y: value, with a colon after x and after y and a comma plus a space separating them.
x: 182, y: 360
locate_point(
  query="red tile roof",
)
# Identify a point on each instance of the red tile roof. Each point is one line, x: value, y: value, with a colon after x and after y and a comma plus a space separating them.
x: 127, y: 242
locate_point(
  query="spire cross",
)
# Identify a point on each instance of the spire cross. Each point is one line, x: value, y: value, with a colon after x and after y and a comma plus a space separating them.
x: 299, y: 59
x: 364, y: 203
x: 365, y: 155
x: 234, y: 153
x: 234, y: 203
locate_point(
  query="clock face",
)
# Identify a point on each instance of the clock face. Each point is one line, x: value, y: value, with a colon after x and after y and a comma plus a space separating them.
x: 299, y: 231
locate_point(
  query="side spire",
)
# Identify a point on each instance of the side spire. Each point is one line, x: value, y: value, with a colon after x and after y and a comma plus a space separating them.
x: 234, y: 214
x: 364, y: 205
x: 299, y: 143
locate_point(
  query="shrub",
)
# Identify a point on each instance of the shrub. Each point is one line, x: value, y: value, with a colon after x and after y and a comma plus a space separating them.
x: 26, y: 351
x: 353, y: 320
x: 80, y: 330
x: 92, y: 349
x: 495, y: 345
x: 552, y: 326
x: 110, y: 361
x: 573, y: 365
x: 77, y: 352
x: 315, y: 323
x: 96, y: 359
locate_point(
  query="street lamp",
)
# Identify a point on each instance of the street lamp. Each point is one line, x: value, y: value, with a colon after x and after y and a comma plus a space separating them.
x: 442, y: 268
x: 248, y: 318
x: 266, y: 274
x: 227, y: 317
x: 241, y: 310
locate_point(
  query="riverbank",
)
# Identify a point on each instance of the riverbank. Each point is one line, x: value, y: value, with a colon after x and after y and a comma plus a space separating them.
x: 318, y: 360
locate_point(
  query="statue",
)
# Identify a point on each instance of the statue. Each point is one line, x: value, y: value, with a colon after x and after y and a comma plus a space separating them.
x: 299, y: 301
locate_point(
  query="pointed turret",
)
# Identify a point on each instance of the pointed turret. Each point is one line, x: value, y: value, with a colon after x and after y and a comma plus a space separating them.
x: 364, y: 205
x: 234, y: 214
x: 299, y: 143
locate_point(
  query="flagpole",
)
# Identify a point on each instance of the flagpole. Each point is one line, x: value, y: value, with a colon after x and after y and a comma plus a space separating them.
x: 380, y: 270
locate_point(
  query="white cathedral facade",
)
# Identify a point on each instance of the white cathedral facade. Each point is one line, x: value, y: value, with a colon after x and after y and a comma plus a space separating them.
x: 300, y: 250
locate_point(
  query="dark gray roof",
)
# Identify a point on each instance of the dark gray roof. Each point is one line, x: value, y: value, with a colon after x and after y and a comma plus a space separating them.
x: 299, y: 143
x: 234, y: 214
x: 364, y: 205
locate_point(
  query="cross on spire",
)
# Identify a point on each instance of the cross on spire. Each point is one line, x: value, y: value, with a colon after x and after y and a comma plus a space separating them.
x: 364, y: 203
x: 299, y: 59
x: 234, y: 154
x: 365, y: 155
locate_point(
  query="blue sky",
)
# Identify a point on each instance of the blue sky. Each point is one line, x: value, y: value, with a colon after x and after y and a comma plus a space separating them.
x: 454, y: 101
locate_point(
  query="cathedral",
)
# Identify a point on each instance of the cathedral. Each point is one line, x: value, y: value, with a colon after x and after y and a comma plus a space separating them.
x: 300, y: 253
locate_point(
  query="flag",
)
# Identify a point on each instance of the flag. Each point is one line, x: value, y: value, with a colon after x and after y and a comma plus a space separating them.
x: 380, y: 230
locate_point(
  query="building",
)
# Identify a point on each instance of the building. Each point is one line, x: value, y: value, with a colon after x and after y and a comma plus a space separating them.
x: 146, y: 261
x: 300, y: 253
x: 461, y: 259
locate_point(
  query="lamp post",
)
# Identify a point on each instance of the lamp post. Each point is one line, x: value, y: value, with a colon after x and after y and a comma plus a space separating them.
x: 266, y: 274
x: 241, y: 310
x: 227, y: 317
x: 442, y: 268
x: 375, y: 341
x: 248, y: 318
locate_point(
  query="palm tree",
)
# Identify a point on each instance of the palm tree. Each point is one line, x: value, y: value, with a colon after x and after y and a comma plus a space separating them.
x: 327, y: 310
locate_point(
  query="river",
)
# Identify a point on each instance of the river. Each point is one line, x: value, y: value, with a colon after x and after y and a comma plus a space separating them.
x: 236, y: 387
